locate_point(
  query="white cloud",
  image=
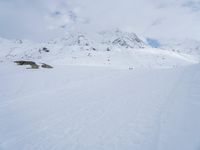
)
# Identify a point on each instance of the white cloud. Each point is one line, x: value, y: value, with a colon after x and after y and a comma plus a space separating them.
x: 150, y: 18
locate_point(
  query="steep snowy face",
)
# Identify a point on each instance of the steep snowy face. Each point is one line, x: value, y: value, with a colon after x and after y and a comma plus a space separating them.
x: 122, y: 39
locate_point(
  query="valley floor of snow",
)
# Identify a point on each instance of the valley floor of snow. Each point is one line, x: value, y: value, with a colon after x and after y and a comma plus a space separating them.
x: 99, y: 108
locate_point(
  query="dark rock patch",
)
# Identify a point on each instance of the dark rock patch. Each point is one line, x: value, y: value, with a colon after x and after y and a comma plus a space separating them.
x: 44, y: 49
x: 46, y: 66
x: 32, y: 64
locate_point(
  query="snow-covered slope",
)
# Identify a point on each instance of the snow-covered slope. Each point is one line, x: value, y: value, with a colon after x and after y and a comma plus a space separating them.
x: 108, y: 48
x: 87, y: 108
x: 188, y: 46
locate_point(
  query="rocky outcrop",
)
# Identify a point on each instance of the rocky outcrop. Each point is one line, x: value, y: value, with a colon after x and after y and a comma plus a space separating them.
x: 32, y: 64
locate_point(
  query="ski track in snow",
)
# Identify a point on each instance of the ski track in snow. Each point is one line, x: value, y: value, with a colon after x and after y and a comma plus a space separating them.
x: 179, y: 120
x: 99, y: 108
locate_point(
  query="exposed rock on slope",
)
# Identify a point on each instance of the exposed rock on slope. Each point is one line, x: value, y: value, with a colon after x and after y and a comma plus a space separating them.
x: 122, y: 39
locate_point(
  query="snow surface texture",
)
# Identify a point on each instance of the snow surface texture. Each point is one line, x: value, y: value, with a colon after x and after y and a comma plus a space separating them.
x: 91, y: 108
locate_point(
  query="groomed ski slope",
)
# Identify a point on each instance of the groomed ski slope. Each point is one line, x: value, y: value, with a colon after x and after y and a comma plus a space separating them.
x: 97, y: 108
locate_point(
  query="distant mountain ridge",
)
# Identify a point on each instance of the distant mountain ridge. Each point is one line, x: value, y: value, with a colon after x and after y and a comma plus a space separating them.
x: 112, y: 48
x: 187, y: 46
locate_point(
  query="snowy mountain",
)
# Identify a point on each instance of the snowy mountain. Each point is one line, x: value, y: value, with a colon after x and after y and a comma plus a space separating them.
x: 108, y: 48
x: 122, y: 39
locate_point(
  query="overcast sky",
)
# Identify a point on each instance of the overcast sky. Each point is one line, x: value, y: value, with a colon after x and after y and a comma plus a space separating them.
x: 149, y: 18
